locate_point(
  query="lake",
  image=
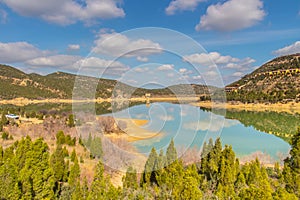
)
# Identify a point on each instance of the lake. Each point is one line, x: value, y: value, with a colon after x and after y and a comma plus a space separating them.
x: 190, y: 126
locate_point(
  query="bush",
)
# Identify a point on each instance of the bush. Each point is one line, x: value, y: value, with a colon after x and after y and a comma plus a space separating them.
x: 5, y: 136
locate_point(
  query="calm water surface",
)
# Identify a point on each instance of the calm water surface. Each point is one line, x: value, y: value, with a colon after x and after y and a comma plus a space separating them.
x: 189, y: 126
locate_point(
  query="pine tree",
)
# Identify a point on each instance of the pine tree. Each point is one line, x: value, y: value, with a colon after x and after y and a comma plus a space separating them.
x: 204, y: 150
x: 130, y: 179
x: 71, y: 121
x: 96, y: 148
x: 160, y: 163
x: 59, y: 167
x: 149, y: 175
x: 210, y: 163
x: 85, y: 189
x: 42, y: 174
x: 291, y: 171
x: 8, y: 181
x: 60, y: 138
x: 89, y: 141
x: 74, y: 176
x: 190, y: 186
x: 171, y: 154
x: 1, y: 155
x: 4, y: 120
x: 73, y: 155
x: 172, y: 179
x: 101, y: 187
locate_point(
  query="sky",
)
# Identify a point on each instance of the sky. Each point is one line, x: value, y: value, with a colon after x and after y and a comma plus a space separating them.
x: 149, y: 42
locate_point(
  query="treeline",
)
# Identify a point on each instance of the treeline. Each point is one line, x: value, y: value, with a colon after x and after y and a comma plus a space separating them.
x: 29, y: 171
x: 282, y: 96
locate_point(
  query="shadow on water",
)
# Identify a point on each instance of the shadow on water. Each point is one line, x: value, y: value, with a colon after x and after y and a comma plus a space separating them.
x: 280, y: 124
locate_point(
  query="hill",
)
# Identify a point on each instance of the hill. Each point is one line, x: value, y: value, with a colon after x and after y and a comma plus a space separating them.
x: 15, y: 83
x: 276, y: 80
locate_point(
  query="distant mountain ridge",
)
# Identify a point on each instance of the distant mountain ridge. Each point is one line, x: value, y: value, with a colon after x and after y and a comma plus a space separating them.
x: 276, y: 80
x: 15, y: 83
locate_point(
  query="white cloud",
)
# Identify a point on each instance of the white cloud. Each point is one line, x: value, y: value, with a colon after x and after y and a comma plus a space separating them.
x: 93, y: 62
x: 181, y: 5
x: 209, y: 59
x: 165, y: 67
x: 238, y: 74
x: 87, y: 66
x: 232, y: 15
x: 166, y: 118
x: 141, y: 69
x: 73, y: 47
x: 214, y: 124
x: 170, y: 75
x: 3, y: 16
x: 142, y: 59
x: 66, y: 12
x: 53, y: 61
x: 182, y: 70
x: 243, y: 65
x: 226, y: 65
x: 19, y: 52
x: 116, y: 44
x: 291, y: 49
x: 198, y: 77
x: 96, y: 66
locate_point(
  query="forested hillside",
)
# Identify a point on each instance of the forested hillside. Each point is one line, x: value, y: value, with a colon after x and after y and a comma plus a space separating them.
x: 277, y: 80
x: 15, y: 83
x: 29, y: 171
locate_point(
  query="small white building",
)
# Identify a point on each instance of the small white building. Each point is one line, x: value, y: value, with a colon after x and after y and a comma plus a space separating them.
x: 12, y: 116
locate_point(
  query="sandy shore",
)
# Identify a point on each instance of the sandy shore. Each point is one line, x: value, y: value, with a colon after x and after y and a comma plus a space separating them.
x: 25, y: 101
x: 276, y: 107
x: 134, y: 131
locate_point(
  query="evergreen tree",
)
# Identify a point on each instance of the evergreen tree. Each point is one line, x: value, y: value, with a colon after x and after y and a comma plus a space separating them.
x: 149, y: 175
x: 291, y: 171
x: 1, y: 155
x: 171, y: 154
x: 59, y: 167
x: 210, y: 163
x: 226, y: 174
x: 130, y: 179
x: 84, y: 189
x: 60, y: 138
x: 4, y: 120
x: 9, y: 181
x: 101, y: 187
x: 73, y: 155
x: 89, y: 141
x: 190, y: 184
x: 160, y: 162
x: 42, y: 175
x: 96, y: 148
x: 71, y: 121
x: 74, y: 176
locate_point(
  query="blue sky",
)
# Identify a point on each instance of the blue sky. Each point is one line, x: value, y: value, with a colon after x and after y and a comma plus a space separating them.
x: 95, y: 37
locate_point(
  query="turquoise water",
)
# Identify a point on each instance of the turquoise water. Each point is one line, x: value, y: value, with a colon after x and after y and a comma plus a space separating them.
x: 189, y: 126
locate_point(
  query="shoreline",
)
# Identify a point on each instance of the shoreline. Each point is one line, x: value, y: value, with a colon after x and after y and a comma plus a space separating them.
x: 25, y: 101
x: 291, y: 107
